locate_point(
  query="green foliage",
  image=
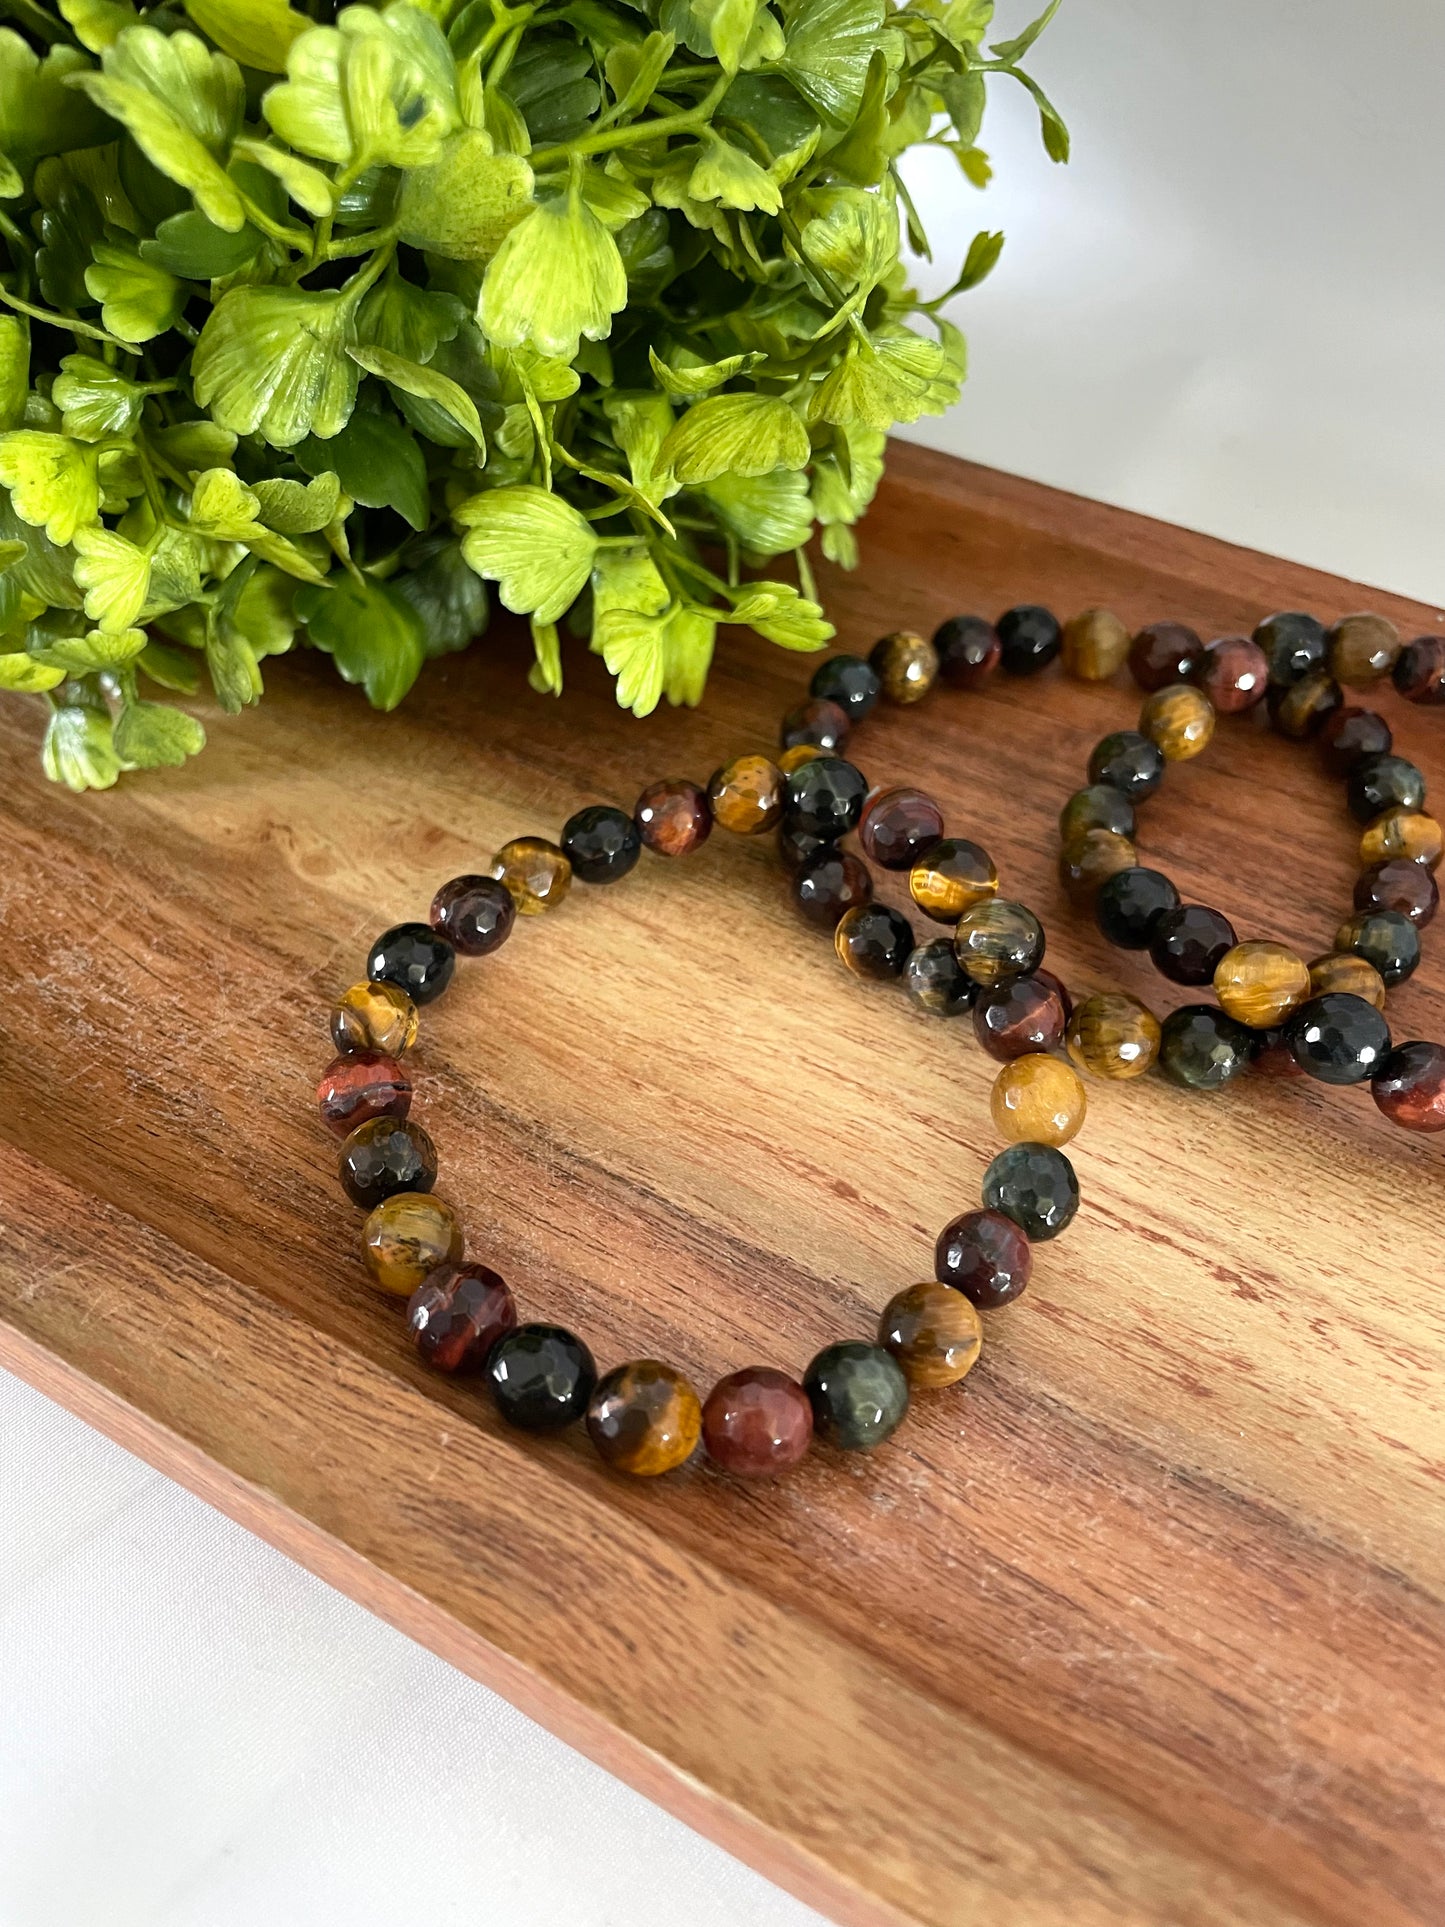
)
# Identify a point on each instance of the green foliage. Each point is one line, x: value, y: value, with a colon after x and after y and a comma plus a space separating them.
x: 315, y: 322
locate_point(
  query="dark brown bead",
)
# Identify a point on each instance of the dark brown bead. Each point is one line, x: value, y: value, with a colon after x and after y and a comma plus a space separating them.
x: 968, y: 650
x: 356, y: 1088
x: 1022, y: 1015
x: 898, y: 826
x: 457, y: 1314
x: 1299, y: 709
x: 1164, y: 652
x: 1419, y: 672
x: 829, y: 884
x: 757, y: 1422
x: 874, y: 941
x: 797, y: 847
x: 1091, y: 857
x: 388, y: 1155
x: 1399, y: 885
x: 673, y: 817
x: 1409, y: 1086
x: 474, y: 913
x: 1059, y: 988
x: 1350, y: 735
x: 1234, y: 674
x: 1187, y: 944
x: 817, y: 721
x: 984, y: 1255
x: 1272, y: 1055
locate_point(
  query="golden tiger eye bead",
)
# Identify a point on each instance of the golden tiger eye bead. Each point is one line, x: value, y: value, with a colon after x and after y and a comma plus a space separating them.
x: 1038, y: 1100
x: 747, y: 796
x: 1343, y: 970
x: 1113, y: 1035
x: 1179, y: 720
x: 536, y: 873
x: 1399, y: 832
x: 1259, y: 984
x: 906, y: 665
x: 1363, y: 650
x: 1090, y: 858
x: 644, y: 1418
x: 951, y: 878
x: 375, y: 1017
x: 933, y: 1331
x: 407, y: 1236
x: 1096, y: 645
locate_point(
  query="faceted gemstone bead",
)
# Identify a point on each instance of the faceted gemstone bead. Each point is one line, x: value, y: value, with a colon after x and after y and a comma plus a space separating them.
x: 1029, y: 639
x: 1260, y: 983
x: 1301, y: 709
x: 998, y: 939
x: 414, y: 958
x: 935, y: 1333
x: 1383, y: 783
x: 747, y: 796
x: 1363, y: 649
x: 953, y: 876
x: 405, y: 1239
x: 384, y: 1156
x: 644, y: 1418
x: 541, y: 1376
x: 794, y: 758
x: 849, y: 682
x: 1022, y: 1015
x: 984, y: 1255
x: 1343, y: 970
x: 375, y: 1017
x: 1098, y: 807
x: 829, y: 885
x: 757, y: 1422
x: 457, y: 1314
x: 1384, y: 938
x: 1293, y: 644
x: 1234, y: 674
x: 1409, y: 1086
x: 1128, y: 762
x: 1350, y: 735
x: 1163, y: 653
x: 1088, y: 859
x: 1338, y: 1038
x: 898, y: 826
x: 859, y: 1395
x: 1203, y: 1048
x: 906, y: 666
x: 1095, y: 645
x: 1060, y: 990
x: 1034, y: 1184
x: 356, y: 1088
x: 1187, y: 943
x: 1038, y: 1100
x: 1179, y: 720
x: 1129, y: 905
x: 1419, y: 672
x: 536, y: 873
x: 673, y: 817
x: 601, y: 843
x: 1398, y: 832
x: 1272, y: 1055
x: 1399, y: 885
x: 818, y: 724
x: 798, y: 847
x: 825, y: 797
x: 968, y: 651
x: 934, y: 979
x: 874, y: 941
x: 475, y: 914
x: 1113, y: 1035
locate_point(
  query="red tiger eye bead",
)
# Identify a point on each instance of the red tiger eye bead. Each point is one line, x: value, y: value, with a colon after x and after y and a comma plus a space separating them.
x: 673, y: 817
x: 757, y: 1422
x: 898, y: 826
x: 457, y: 1314
x: 364, y: 1085
x: 1399, y: 885
x: 1234, y: 674
x: 1164, y: 652
x: 1409, y: 1086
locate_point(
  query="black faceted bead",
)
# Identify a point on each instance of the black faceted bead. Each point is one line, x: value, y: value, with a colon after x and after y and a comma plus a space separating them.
x: 1350, y: 735
x: 848, y: 681
x: 1035, y: 1186
x: 859, y: 1394
x: 386, y: 1155
x: 829, y: 884
x: 601, y: 843
x: 968, y: 651
x: 541, y: 1376
x: 1381, y: 782
x: 1187, y: 943
x: 414, y: 958
x: 1202, y: 1047
x: 1127, y: 761
x: 1293, y: 644
x: 935, y: 979
x: 1385, y: 938
x: 1029, y: 639
x: 1099, y: 807
x: 825, y: 797
x: 1129, y: 905
x: 797, y: 847
x: 1338, y: 1038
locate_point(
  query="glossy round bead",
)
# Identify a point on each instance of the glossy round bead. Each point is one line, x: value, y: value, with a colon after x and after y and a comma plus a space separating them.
x: 375, y: 1017
x: 1029, y: 639
x: 1095, y: 645
x: 1383, y: 783
x: 365, y: 1085
x: 859, y: 1395
x: 536, y: 873
x: 747, y: 795
x: 968, y: 651
x: 644, y: 1419
x: 874, y: 941
x: 1187, y: 943
x: 1363, y: 650
x: 1128, y: 762
x: 405, y: 1238
x: 1350, y: 735
x: 601, y: 844
x: 1409, y: 1086
x: 798, y: 847
x: 1384, y: 938
x: 1060, y: 990
x: 794, y: 758
x: 934, y: 979
x: 934, y: 1333
x: 898, y: 826
x: 475, y: 914
x: 1203, y: 1048
x: 816, y: 724
x: 849, y: 682
x: 384, y: 1156
x: 541, y: 1376
x: 825, y: 797
x: 1419, y: 672
x: 984, y: 1255
x: 906, y: 666
x: 1113, y: 1035
x: 1025, y: 1014
x: 1300, y: 709
x: 1272, y: 1055
x: 1399, y: 885
x: 673, y: 817
x: 1260, y: 983
x: 998, y: 939
x: 1343, y: 970
x: 953, y: 876
x: 1178, y: 720
x: 1293, y: 645
x: 830, y: 884
x: 1399, y: 832
x: 1038, y: 1100
x: 414, y: 958
x: 757, y: 1422
x: 1129, y: 905
x: 1097, y: 807
x: 1163, y: 653
x: 1338, y: 1038
x: 1234, y: 674
x: 457, y: 1314
x: 1089, y: 859
x: 1034, y: 1184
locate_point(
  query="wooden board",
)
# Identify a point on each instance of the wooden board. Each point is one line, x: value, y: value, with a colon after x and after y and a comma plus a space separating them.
x: 1142, y: 1626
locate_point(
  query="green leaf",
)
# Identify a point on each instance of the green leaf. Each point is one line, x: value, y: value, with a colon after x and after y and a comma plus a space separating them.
x: 1051, y: 125
x: 965, y: 96
x: 54, y: 482
x: 306, y: 185
x: 735, y: 435
x: 114, y: 576
x: 830, y: 46
x: 14, y: 368
x: 265, y: 611
x: 466, y: 202
x: 726, y: 174
x: 880, y: 383
x: 712, y: 28
x: 689, y: 379
x: 689, y: 644
x: 196, y: 249
x: 640, y: 425
x: 965, y: 22
x: 777, y: 611
x: 1010, y: 50
x: 97, y: 649
x: 95, y: 398
x: 258, y: 33
x: 378, y: 88
x: 855, y: 240
x: 194, y: 445
x: 225, y: 510
x: 634, y: 68
x: 274, y: 359
x: 373, y: 635
x: 156, y: 736
x: 427, y: 384
x: 378, y: 463
x: 535, y: 546
x: 980, y: 261
x: 139, y: 299
x: 449, y: 598
x: 545, y: 675
x: 298, y: 508
x: 766, y: 514
x: 97, y: 24
x: 171, y: 668
x: 556, y: 277
x: 79, y: 748
x: 24, y: 675
x: 407, y: 320
x: 551, y: 83
x: 232, y: 667
x: 634, y: 648
x: 40, y: 112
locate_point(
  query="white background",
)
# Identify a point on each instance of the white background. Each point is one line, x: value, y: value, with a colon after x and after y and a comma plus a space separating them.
x: 1230, y: 312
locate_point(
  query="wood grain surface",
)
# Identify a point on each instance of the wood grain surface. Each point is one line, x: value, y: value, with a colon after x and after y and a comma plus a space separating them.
x: 1142, y: 1627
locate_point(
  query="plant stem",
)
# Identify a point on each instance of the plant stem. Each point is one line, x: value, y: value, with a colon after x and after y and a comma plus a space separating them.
x: 61, y: 321
x: 635, y: 132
